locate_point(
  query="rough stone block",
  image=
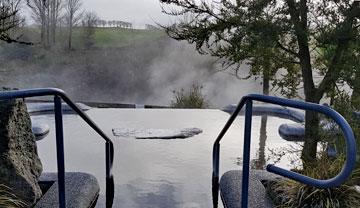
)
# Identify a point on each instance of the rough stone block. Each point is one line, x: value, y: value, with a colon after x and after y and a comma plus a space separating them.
x: 20, y: 166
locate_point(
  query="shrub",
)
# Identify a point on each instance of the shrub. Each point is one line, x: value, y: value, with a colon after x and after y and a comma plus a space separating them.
x: 8, y: 199
x: 342, y: 103
x: 189, y: 99
x: 290, y: 194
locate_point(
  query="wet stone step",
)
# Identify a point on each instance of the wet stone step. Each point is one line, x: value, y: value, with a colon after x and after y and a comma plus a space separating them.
x: 81, y: 190
x: 230, y: 189
x: 271, y: 110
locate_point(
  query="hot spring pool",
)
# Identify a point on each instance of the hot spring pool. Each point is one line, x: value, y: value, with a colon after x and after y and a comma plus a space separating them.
x: 158, y: 173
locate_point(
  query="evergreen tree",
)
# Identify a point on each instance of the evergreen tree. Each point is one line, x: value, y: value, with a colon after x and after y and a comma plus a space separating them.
x: 275, y: 34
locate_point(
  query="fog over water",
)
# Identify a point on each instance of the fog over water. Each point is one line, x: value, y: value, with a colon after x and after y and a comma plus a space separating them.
x: 139, y: 72
x: 145, y: 73
x: 182, y: 66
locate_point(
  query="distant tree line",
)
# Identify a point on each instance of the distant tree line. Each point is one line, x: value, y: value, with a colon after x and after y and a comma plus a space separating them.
x: 113, y: 23
x: 151, y: 27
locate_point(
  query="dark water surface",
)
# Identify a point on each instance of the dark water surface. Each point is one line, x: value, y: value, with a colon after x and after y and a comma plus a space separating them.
x: 160, y: 173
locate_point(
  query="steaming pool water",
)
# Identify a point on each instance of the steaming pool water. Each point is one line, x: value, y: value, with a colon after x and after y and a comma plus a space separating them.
x: 159, y: 173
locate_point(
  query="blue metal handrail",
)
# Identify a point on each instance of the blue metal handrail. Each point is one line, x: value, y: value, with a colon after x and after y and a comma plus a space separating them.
x: 248, y: 101
x: 109, y: 147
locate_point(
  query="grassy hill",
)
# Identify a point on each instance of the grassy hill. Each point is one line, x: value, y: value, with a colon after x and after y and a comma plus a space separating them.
x: 112, y: 37
x: 118, y: 37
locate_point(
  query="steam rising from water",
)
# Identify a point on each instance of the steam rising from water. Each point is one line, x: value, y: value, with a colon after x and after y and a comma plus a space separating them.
x: 142, y: 73
x: 181, y: 66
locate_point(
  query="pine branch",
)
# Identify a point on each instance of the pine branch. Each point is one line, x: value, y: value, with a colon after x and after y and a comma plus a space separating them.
x: 287, y: 50
x: 8, y: 39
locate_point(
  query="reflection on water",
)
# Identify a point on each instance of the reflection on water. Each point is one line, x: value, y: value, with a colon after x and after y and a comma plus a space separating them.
x: 159, y: 173
x: 137, y: 193
x: 238, y: 161
x: 259, y: 162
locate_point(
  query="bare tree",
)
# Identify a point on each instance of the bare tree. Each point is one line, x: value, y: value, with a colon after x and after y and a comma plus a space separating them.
x: 74, y: 14
x: 38, y: 10
x: 99, y: 23
x: 89, y: 24
x: 46, y: 13
x: 10, y: 20
x: 55, y: 8
x: 103, y: 22
x: 12, y: 6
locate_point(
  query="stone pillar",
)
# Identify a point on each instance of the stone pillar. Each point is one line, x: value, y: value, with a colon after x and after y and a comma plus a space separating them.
x: 20, y: 166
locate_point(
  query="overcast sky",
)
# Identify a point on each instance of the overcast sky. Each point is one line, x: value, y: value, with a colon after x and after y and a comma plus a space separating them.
x: 139, y: 12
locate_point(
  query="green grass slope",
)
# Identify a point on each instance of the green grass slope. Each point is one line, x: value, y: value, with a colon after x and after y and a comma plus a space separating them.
x: 112, y: 37
x: 118, y: 37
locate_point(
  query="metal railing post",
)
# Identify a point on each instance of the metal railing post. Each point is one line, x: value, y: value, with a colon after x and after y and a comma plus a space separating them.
x: 60, y: 95
x: 60, y: 150
x: 216, y: 153
x: 109, y: 192
x: 215, y: 175
x: 246, y: 155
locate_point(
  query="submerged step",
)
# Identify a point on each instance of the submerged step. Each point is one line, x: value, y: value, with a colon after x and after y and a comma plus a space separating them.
x: 271, y: 110
x: 48, y: 107
x: 156, y: 133
x: 39, y: 129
